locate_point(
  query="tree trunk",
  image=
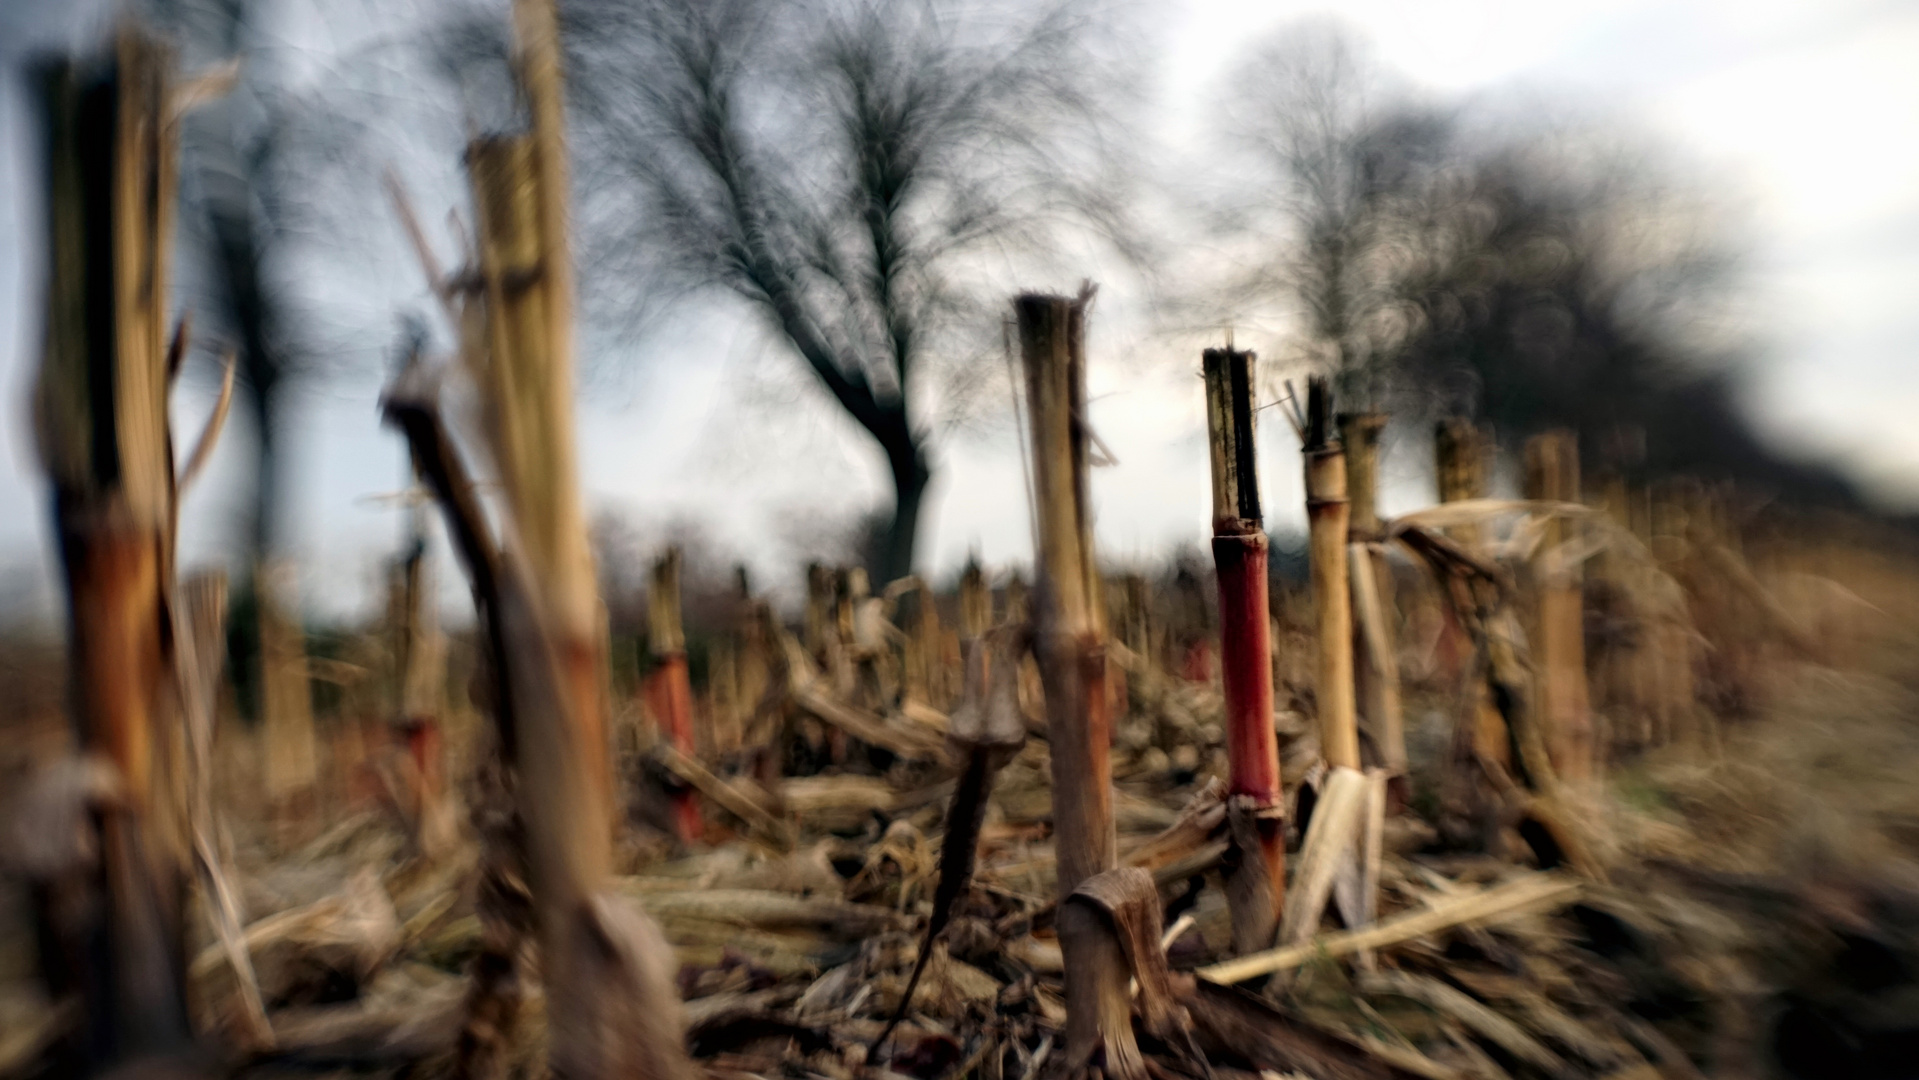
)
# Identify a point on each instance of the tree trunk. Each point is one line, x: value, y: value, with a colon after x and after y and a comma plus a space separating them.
x: 911, y: 475
x: 237, y: 251
x: 263, y: 405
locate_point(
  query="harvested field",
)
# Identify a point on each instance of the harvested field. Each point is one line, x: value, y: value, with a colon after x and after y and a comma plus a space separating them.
x: 1607, y: 779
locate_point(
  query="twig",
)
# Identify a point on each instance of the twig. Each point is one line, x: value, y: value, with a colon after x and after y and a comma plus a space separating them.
x: 194, y: 91
x: 1532, y: 890
x: 429, y: 264
x: 210, y: 435
x: 199, y: 632
x: 1294, y: 411
x: 1176, y: 931
x: 1039, y: 1058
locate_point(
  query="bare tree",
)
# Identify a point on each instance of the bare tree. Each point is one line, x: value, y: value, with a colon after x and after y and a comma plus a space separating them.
x: 1536, y: 270
x: 856, y: 172
x: 231, y: 152
x: 275, y: 171
x: 1566, y: 278
x: 1330, y: 144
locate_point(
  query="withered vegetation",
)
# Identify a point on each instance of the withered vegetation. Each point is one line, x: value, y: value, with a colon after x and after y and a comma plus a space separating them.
x: 1611, y: 781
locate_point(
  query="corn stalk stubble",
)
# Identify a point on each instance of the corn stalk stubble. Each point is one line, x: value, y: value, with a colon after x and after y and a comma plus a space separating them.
x: 102, y: 426
x: 1069, y: 637
x: 1256, y: 880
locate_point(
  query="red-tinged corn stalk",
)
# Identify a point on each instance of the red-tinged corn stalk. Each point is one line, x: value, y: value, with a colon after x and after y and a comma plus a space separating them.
x: 1256, y: 808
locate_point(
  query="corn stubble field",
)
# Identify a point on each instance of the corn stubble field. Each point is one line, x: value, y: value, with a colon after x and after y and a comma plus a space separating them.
x: 1610, y: 781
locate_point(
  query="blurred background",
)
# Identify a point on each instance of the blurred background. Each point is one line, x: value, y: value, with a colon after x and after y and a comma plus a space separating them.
x: 1716, y: 200
x: 1611, y: 304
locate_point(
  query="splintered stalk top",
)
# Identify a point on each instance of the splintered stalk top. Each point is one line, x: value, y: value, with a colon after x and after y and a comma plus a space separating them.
x: 1320, y: 433
x: 101, y: 399
x: 1230, y: 416
x: 664, y: 633
x: 1052, y: 332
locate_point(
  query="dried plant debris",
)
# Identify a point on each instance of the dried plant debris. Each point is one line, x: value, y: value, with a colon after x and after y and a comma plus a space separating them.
x: 797, y: 955
x: 882, y: 899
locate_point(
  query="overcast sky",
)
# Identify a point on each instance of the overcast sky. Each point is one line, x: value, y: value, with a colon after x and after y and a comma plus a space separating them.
x: 1806, y: 114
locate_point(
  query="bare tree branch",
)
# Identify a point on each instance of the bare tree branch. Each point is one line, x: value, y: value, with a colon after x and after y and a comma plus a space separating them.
x: 834, y: 164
